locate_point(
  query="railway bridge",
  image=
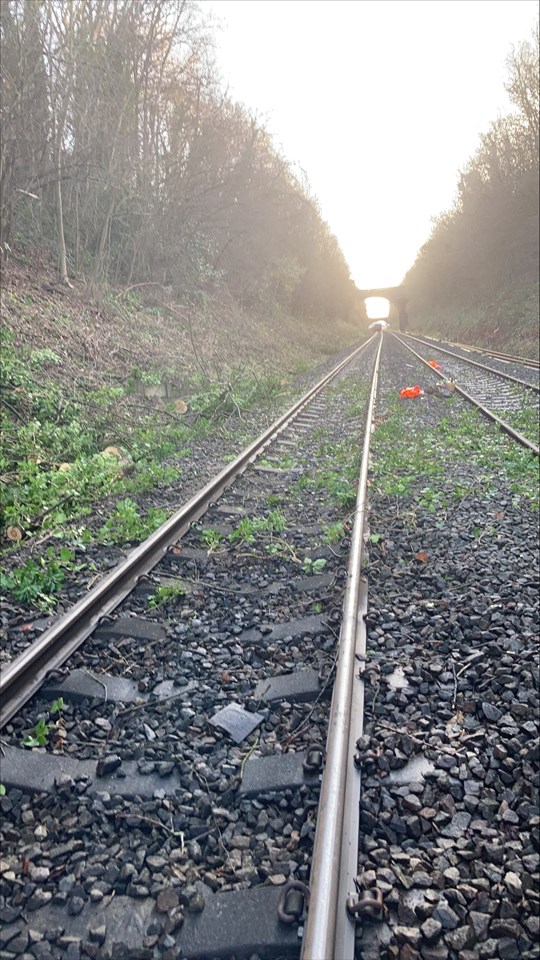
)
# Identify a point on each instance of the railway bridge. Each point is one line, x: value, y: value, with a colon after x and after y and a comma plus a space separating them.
x: 396, y: 295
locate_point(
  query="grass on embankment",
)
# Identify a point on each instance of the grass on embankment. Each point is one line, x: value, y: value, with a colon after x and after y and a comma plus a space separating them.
x: 507, y: 322
x: 76, y: 429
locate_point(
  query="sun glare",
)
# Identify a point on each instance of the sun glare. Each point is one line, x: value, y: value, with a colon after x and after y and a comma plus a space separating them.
x: 377, y: 308
x: 381, y: 205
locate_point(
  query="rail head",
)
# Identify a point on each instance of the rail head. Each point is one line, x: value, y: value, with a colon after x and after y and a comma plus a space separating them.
x: 324, y: 911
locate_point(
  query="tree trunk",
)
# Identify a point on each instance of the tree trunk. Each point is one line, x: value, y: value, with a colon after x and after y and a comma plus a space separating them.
x: 60, y: 217
x: 98, y: 264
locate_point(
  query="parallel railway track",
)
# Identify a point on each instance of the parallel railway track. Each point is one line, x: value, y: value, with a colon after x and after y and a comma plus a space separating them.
x: 485, y: 351
x: 240, y: 622
x: 500, y: 396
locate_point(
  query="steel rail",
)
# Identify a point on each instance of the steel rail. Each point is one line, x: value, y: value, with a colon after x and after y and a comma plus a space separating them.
x: 526, y: 361
x: 515, y: 434
x: 508, y: 357
x: 475, y: 363
x: 326, y: 915
x: 23, y: 676
x: 345, y: 936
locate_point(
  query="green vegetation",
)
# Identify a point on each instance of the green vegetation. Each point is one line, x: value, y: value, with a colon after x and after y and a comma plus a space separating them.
x: 339, y: 461
x: 125, y: 524
x: 212, y: 539
x: 404, y: 459
x: 244, y: 532
x: 44, y: 498
x: 334, y: 479
x: 37, y: 581
x: 38, y: 357
x: 52, y: 465
x: 340, y: 484
x: 57, y: 461
x: 237, y: 395
x: 334, y: 532
x: 283, y: 462
x: 313, y: 566
x: 278, y: 547
x: 40, y: 735
x: 249, y: 527
x: 525, y: 421
x: 248, y: 530
x: 166, y: 594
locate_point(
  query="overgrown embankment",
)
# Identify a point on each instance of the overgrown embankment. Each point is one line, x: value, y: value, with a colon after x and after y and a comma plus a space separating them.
x: 107, y: 336
x: 507, y: 321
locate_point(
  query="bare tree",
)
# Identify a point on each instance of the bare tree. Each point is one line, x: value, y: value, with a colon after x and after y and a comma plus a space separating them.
x: 121, y: 151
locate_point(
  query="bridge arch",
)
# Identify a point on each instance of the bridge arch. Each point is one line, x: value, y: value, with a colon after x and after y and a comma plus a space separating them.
x: 396, y: 295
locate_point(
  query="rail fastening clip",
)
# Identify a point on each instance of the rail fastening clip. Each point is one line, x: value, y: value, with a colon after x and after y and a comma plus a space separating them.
x: 293, y: 901
x: 313, y: 759
x: 368, y: 905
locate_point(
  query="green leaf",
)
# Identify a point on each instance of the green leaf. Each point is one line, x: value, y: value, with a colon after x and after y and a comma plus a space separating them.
x: 40, y: 737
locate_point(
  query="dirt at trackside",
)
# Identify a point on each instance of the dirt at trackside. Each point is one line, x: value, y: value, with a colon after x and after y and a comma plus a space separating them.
x: 104, y: 338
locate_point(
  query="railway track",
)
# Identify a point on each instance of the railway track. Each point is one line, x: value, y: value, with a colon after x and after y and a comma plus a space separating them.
x: 517, y: 367
x: 20, y: 679
x: 484, y: 351
x: 175, y: 811
x: 504, y: 370
x: 506, y: 399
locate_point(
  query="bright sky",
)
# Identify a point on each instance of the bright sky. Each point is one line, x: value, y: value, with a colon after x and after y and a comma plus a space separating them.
x: 381, y: 102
